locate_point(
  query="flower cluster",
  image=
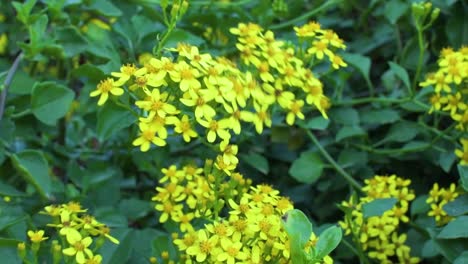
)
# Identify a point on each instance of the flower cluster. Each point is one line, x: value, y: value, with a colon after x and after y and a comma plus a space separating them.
x: 247, y: 229
x: 78, y: 229
x: 197, y: 93
x: 378, y: 235
x: 449, y: 85
x: 438, y: 197
x: 321, y: 42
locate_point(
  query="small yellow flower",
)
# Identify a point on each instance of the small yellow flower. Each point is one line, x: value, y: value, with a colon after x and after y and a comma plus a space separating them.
x: 148, y: 136
x: 78, y: 247
x: 36, y: 236
x: 105, y: 87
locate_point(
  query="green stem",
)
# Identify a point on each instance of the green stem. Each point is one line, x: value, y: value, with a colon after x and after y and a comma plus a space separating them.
x: 7, y: 83
x: 420, y: 58
x: 305, y: 16
x: 21, y: 114
x: 335, y: 165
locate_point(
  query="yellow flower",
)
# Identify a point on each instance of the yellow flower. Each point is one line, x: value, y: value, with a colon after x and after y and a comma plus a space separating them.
x: 148, y: 136
x: 203, y: 246
x: 3, y: 43
x: 183, y: 126
x: 105, y: 87
x: 337, y: 62
x: 295, y: 108
x: 319, y: 49
x: 97, y: 259
x: 216, y: 128
x: 232, y: 251
x: 186, y: 76
x: 157, y: 102
x: 78, y: 247
x: 36, y: 236
x: 126, y: 72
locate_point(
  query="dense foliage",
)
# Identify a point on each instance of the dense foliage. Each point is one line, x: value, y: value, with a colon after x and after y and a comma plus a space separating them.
x: 266, y: 131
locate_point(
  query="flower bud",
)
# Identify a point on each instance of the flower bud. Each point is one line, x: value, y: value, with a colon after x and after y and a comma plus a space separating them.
x: 435, y: 14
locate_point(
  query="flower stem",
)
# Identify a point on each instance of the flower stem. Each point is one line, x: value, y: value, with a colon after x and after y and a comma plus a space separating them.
x: 335, y: 165
x: 420, y: 58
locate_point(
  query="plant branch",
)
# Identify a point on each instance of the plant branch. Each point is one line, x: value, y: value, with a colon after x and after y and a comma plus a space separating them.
x: 7, y: 83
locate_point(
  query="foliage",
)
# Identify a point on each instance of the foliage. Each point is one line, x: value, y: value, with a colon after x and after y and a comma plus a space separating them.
x: 233, y: 131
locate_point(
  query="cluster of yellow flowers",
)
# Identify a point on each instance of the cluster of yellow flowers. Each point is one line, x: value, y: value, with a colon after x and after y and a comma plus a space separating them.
x: 200, y: 92
x: 250, y: 232
x: 450, y: 90
x: 438, y: 197
x: 378, y: 235
x: 77, y: 228
x: 321, y: 42
x: 462, y: 154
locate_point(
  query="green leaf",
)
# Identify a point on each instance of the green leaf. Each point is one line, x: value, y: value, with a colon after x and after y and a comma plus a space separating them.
x: 349, y: 131
x: 8, y: 190
x: 401, y: 73
x: 378, y: 207
x: 134, y: 208
x: 402, y: 132
x: 449, y: 248
x: 117, y: 254
x: 457, y: 207
x: 163, y: 243
x: 178, y: 35
x: 463, y: 172
x: 446, y: 160
x: 379, y: 116
x: 456, y: 27
x: 7, y: 130
x: 257, y: 161
x: 22, y: 83
x: 9, y: 250
x: 455, y: 229
x: 328, y: 241
x: 345, y: 115
x: 72, y: 41
x: 307, y: 168
x: 318, y: 123
x: 462, y: 259
x: 352, y: 157
x: 362, y: 63
x: 50, y: 101
x: 394, y: 9
x: 105, y: 8
x: 35, y: 170
x: 112, y: 118
x: 419, y: 205
x: 24, y: 10
x: 299, y: 228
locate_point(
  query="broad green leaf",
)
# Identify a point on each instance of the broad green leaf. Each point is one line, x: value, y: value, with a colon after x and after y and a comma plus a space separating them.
x: 360, y: 62
x: 402, y: 132
x: 105, y: 7
x: 318, y: 123
x: 90, y: 72
x: 72, y: 41
x: 351, y: 157
x: 463, y: 172
x: 22, y: 83
x: 379, y: 116
x: 446, y: 160
x: 299, y: 229
x: 50, y: 101
x: 134, y: 208
x: 307, y: 168
x: 394, y: 9
x: 430, y: 249
x: 117, y: 254
x: 9, y: 250
x: 7, y: 130
x: 349, y: 131
x: 419, y: 205
x: 111, y: 118
x: 23, y: 10
x: 449, y: 248
x: 257, y: 161
x: 8, y: 190
x: 178, y: 35
x: 345, y: 115
x: 462, y: 259
x: 457, y: 207
x: 378, y: 207
x: 401, y: 73
x: 327, y: 241
x: 456, y: 27
x: 455, y: 229
x: 163, y: 243
x: 34, y: 168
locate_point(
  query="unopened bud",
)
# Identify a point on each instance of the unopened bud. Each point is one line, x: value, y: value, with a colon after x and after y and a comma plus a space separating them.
x: 175, y: 10
x: 435, y: 14
x: 418, y: 10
